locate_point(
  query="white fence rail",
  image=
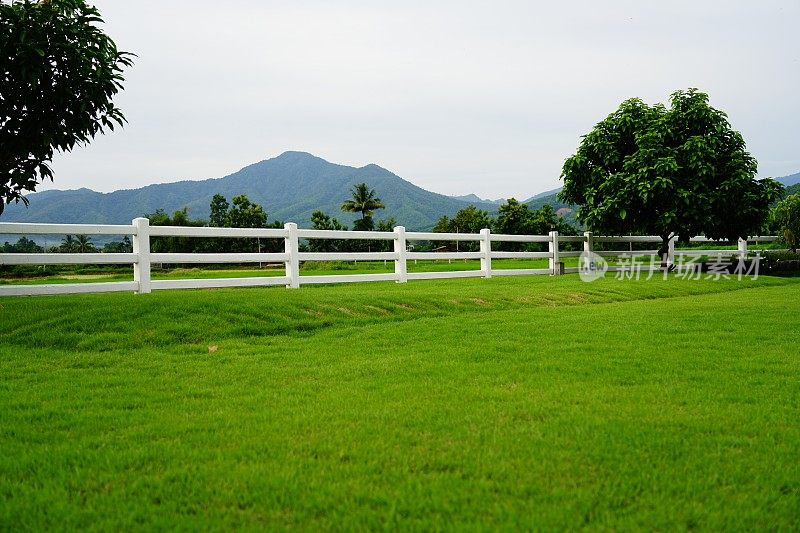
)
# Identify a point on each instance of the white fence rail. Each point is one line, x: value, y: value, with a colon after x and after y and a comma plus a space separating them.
x: 141, y: 258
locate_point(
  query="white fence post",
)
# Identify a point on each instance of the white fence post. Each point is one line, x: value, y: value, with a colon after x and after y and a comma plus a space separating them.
x: 400, y: 248
x: 555, y: 268
x: 670, y: 262
x: 742, y: 248
x: 292, y: 247
x: 588, y: 242
x: 141, y: 247
x: 486, y: 252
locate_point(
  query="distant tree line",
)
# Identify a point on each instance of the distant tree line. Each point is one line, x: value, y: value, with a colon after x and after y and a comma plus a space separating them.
x: 514, y: 218
x: 70, y: 244
x: 240, y: 213
x: 785, y: 220
x: 23, y: 246
x: 364, y: 200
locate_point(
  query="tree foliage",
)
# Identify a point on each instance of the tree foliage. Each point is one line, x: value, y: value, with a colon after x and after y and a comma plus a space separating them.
x: 219, y: 211
x: 174, y: 244
x: 119, y: 247
x: 23, y: 246
x: 246, y: 214
x: 790, y: 190
x: 365, y: 201
x: 59, y: 74
x: 84, y: 244
x: 321, y: 221
x: 467, y: 220
x: 786, y: 218
x: 515, y: 218
x: 240, y: 213
x: 68, y: 245
x: 658, y: 170
x: 387, y: 226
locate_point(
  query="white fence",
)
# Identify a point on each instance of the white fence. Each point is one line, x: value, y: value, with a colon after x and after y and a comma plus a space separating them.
x: 141, y: 258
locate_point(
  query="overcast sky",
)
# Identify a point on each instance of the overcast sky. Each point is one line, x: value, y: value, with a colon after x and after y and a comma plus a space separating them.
x: 456, y: 97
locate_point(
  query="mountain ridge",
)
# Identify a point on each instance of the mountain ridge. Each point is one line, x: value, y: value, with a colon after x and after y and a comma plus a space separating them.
x: 289, y: 187
x: 791, y: 179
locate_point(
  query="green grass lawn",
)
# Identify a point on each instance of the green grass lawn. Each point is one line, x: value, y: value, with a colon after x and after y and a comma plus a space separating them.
x: 509, y: 403
x: 311, y: 268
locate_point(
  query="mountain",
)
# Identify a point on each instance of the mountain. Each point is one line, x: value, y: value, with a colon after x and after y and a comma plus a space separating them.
x: 790, y: 190
x: 475, y: 199
x: 549, y: 196
x: 566, y: 211
x: 792, y: 179
x: 551, y: 192
x: 290, y: 187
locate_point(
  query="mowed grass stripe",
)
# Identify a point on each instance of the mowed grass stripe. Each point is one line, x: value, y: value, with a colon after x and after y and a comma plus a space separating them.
x: 107, y: 322
x: 658, y: 413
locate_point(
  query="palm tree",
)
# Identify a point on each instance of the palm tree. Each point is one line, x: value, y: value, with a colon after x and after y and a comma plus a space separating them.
x: 68, y: 244
x: 364, y: 201
x: 84, y: 243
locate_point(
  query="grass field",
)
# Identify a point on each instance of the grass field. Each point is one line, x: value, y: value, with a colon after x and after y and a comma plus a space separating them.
x: 311, y: 268
x: 92, y: 274
x: 524, y: 403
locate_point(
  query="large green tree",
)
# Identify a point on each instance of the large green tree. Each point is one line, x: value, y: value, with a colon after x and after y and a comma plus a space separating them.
x: 661, y: 170
x: 365, y: 201
x: 59, y: 74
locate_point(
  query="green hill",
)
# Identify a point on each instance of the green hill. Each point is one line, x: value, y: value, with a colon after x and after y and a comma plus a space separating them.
x: 791, y: 189
x: 290, y: 187
x: 788, y: 181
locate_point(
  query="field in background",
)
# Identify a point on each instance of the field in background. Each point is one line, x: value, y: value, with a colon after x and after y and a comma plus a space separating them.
x: 311, y: 268
x: 92, y: 274
x: 536, y: 402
